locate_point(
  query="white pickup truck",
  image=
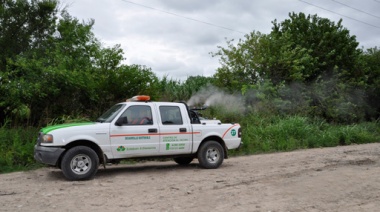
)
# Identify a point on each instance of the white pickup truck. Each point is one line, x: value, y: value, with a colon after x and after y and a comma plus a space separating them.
x: 137, y: 128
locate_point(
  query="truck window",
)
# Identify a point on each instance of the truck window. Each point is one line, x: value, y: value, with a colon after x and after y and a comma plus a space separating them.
x: 194, y: 117
x: 137, y: 115
x: 171, y: 115
x: 110, y: 114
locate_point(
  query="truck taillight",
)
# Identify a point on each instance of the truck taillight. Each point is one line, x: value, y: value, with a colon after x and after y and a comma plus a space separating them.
x: 239, y: 132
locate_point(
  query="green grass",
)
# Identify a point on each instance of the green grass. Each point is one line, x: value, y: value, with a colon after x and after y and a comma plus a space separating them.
x: 261, y: 134
x: 16, y: 149
x: 275, y: 133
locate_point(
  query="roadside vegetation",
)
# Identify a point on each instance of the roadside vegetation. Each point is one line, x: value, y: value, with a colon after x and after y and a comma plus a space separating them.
x: 307, y: 84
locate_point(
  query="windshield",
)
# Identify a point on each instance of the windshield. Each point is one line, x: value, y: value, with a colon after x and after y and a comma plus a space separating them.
x: 110, y: 114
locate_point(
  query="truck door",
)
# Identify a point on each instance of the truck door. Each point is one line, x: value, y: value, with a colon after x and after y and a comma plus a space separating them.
x: 175, y: 132
x: 137, y: 133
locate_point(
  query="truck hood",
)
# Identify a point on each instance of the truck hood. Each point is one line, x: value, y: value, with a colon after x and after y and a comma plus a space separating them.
x: 48, y: 129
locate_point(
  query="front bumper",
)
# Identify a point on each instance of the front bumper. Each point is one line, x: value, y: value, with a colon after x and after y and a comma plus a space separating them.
x: 47, y: 155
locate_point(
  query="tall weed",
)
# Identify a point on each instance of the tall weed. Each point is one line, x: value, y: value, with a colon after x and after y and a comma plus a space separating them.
x: 261, y: 133
x: 16, y: 148
x: 277, y: 133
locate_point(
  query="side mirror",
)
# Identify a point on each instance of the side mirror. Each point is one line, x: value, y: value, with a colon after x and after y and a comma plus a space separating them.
x: 121, y: 121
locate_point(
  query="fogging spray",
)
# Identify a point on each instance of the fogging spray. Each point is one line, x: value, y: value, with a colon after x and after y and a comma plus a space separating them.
x: 213, y: 97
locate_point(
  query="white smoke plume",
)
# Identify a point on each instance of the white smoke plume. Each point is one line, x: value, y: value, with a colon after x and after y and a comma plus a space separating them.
x: 212, y: 96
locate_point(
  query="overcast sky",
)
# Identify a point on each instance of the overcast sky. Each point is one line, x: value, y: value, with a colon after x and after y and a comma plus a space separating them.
x: 175, y: 37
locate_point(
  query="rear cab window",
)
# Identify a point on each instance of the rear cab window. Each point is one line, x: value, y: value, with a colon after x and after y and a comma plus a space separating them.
x: 170, y: 115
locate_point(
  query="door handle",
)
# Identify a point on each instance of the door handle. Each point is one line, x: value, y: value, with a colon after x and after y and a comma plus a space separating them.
x: 153, y: 130
x: 182, y: 130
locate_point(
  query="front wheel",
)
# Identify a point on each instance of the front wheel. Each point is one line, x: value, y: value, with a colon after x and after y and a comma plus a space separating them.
x: 80, y: 163
x: 210, y: 155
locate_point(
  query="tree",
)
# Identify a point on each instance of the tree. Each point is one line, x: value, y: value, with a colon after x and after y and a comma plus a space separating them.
x: 240, y: 64
x: 371, y: 60
x: 299, y: 49
x: 328, y: 47
x: 124, y: 82
x: 175, y: 90
x: 60, y: 68
x: 24, y: 25
x: 302, y: 55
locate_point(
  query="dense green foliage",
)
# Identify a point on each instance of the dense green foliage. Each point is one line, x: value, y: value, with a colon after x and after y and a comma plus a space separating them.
x: 175, y: 90
x: 276, y: 133
x: 307, y: 61
x: 16, y: 147
x: 58, y: 63
x: 306, y: 84
x: 261, y: 134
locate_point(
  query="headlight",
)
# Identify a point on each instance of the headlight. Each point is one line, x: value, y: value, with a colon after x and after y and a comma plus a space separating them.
x: 47, y: 138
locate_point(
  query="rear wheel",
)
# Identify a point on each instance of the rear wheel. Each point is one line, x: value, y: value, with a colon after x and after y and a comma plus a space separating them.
x: 80, y: 163
x: 183, y: 160
x: 210, y: 155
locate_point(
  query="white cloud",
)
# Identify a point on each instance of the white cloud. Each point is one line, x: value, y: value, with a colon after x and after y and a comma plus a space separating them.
x: 174, y: 45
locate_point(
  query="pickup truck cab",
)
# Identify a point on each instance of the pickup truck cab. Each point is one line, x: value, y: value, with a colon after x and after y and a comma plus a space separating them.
x: 137, y: 128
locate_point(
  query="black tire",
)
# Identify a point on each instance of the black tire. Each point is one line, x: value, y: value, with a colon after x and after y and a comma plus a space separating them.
x: 183, y: 160
x: 80, y: 163
x: 210, y: 155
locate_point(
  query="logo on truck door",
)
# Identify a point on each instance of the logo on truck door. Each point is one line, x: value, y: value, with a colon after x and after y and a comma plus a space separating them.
x: 233, y: 132
x: 120, y: 149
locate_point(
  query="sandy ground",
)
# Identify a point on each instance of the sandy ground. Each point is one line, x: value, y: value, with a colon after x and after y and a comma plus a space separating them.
x: 328, y: 179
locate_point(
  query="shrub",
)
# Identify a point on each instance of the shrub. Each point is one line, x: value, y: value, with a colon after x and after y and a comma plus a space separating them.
x: 16, y: 148
x: 277, y: 133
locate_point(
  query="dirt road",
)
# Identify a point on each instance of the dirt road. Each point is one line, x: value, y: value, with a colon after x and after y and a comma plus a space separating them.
x: 328, y: 179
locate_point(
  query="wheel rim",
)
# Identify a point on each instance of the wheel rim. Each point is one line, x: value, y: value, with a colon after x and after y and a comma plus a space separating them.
x: 81, y: 164
x: 212, y: 155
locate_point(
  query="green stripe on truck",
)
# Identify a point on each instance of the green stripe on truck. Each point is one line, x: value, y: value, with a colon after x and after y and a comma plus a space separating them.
x: 59, y: 126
